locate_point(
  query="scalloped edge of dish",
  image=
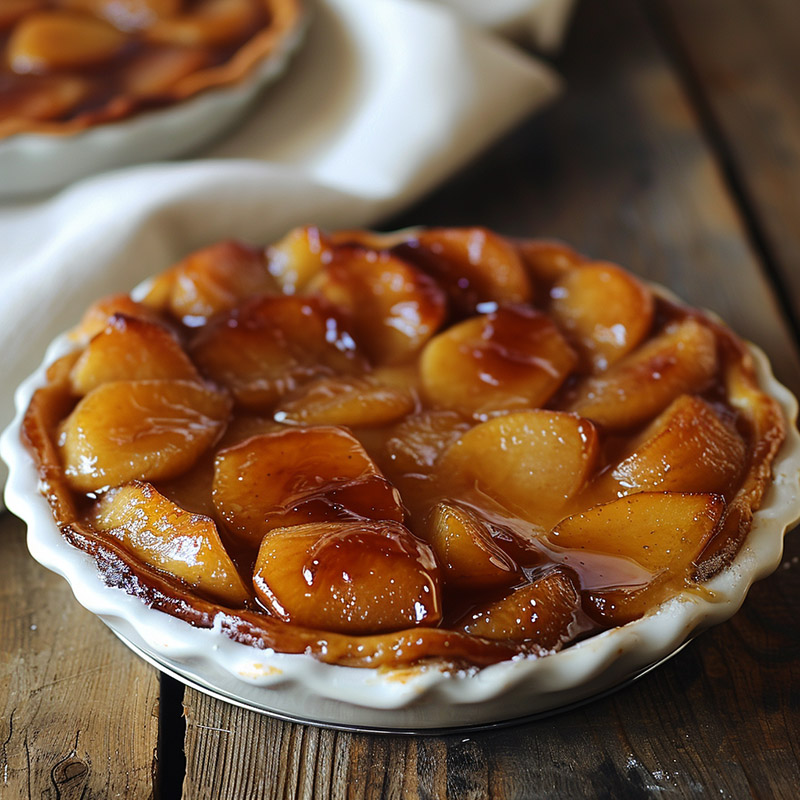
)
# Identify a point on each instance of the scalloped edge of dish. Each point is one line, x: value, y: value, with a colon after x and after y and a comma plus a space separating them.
x: 424, y: 696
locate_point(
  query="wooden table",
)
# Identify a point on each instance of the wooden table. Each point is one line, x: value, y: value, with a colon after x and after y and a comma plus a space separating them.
x: 675, y: 151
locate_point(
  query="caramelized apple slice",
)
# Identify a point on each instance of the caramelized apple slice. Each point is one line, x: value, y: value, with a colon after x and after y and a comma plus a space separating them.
x: 298, y: 476
x: 606, y: 311
x: 353, y: 577
x: 511, y: 358
x: 127, y: 15
x: 209, y: 22
x: 372, y: 239
x: 271, y: 345
x: 661, y: 533
x: 98, y: 315
x: 542, y: 612
x: 474, y: 265
x: 354, y: 402
x: 157, y: 71
x: 681, y: 360
x: 532, y: 462
x: 548, y: 260
x: 468, y: 556
x: 41, y: 97
x: 415, y: 444
x: 658, y: 530
x: 11, y: 11
x: 130, y: 349
x: 298, y: 257
x: 687, y: 448
x: 49, y: 405
x: 395, y: 307
x: 171, y: 539
x: 767, y: 430
x: 211, y: 280
x: 139, y: 430
x: 54, y: 40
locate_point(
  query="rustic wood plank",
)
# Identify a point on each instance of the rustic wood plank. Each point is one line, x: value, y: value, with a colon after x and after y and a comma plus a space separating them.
x: 235, y: 753
x: 743, y: 58
x: 78, y: 712
x: 618, y: 167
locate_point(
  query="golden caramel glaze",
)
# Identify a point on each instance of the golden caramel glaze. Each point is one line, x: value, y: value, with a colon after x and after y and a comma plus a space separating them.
x: 356, y: 577
x: 380, y: 450
x: 68, y: 65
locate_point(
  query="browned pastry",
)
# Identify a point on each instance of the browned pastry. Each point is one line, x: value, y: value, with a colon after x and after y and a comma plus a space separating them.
x: 381, y: 449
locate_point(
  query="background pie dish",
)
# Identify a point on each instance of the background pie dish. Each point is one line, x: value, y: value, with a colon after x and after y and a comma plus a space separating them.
x: 37, y: 156
x: 416, y: 696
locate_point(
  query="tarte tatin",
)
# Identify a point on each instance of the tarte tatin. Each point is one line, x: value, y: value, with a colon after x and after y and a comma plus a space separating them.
x: 438, y: 444
x: 68, y: 65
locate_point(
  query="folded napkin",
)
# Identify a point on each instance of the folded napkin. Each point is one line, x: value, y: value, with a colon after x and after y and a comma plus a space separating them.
x: 542, y: 22
x: 384, y: 101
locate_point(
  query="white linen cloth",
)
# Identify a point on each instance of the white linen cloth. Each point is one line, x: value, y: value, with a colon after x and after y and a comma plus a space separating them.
x: 542, y: 22
x: 385, y: 100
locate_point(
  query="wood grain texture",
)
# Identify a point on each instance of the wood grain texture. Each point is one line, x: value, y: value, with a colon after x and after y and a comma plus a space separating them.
x: 620, y: 168
x: 78, y: 712
x: 743, y: 59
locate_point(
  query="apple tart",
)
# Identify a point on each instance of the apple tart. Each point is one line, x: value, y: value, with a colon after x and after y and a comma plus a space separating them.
x: 435, y: 446
x: 72, y: 64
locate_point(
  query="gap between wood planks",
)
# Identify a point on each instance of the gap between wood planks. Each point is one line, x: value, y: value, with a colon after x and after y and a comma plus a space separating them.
x: 666, y: 33
x: 170, y: 768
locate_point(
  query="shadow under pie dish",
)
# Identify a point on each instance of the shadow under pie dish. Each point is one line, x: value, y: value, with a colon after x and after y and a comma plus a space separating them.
x: 87, y: 85
x: 431, y: 478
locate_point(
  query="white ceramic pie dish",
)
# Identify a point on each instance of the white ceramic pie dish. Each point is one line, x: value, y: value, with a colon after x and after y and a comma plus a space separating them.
x: 416, y: 698
x: 33, y: 163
